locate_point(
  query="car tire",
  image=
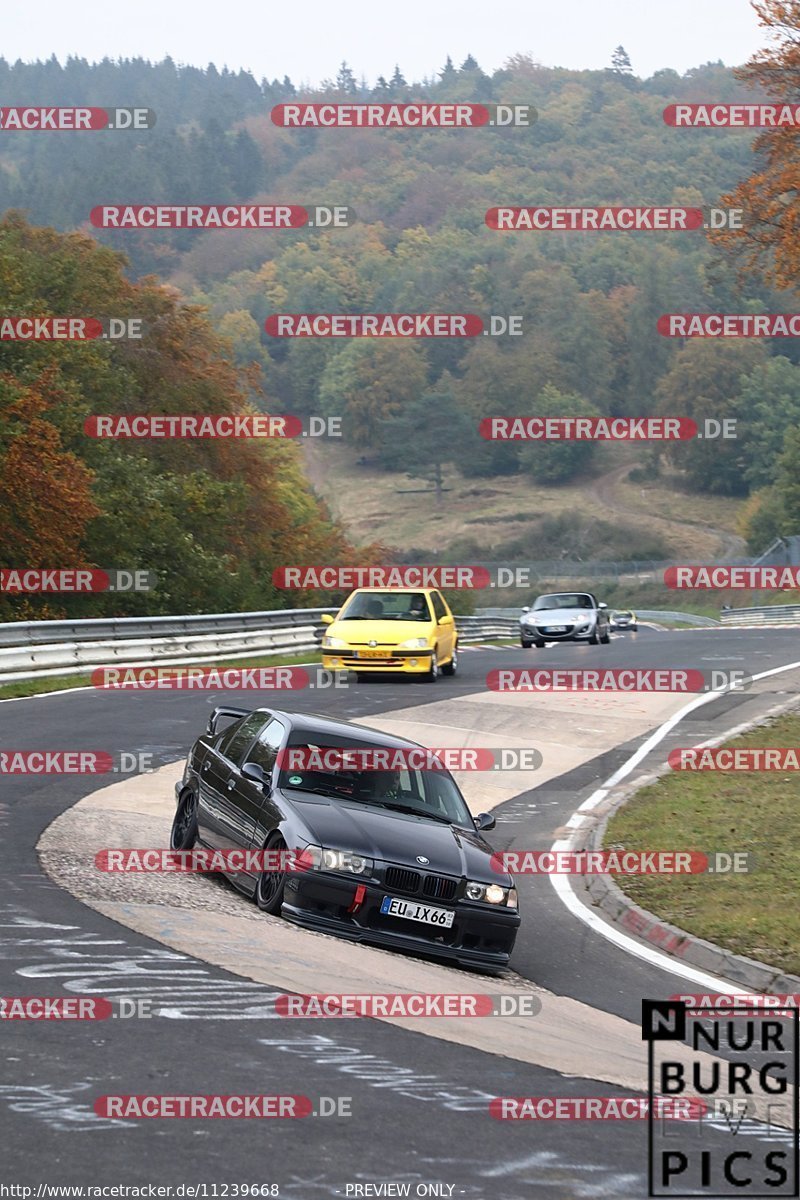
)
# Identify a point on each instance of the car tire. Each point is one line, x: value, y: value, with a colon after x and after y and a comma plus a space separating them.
x: 450, y: 668
x: 539, y: 645
x: 183, y: 834
x: 270, y: 884
x: 525, y: 645
x: 432, y: 674
x: 593, y: 638
x: 605, y: 638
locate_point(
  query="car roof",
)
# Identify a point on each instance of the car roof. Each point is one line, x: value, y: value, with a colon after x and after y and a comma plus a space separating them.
x: 308, y: 724
x: 394, y: 589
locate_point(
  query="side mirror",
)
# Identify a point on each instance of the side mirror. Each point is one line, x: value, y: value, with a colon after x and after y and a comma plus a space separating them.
x: 601, y: 605
x: 526, y: 608
x: 326, y: 619
x: 255, y: 774
x: 485, y: 821
x: 446, y: 619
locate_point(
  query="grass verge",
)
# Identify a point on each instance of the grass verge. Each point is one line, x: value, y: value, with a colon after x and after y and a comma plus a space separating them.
x: 57, y: 683
x: 754, y: 914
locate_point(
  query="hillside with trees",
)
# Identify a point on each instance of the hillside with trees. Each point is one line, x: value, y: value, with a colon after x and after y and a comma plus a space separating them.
x: 589, y: 302
x: 210, y: 518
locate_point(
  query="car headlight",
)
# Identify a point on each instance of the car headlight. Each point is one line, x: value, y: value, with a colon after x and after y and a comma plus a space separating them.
x: 333, y: 643
x: 348, y: 861
x: 492, y: 893
x: 414, y: 644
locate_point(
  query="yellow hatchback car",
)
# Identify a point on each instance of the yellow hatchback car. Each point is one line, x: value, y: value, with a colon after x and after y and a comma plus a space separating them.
x: 392, y: 629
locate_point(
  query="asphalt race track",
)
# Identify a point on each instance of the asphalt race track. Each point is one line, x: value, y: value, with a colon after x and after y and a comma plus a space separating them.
x: 419, y: 1104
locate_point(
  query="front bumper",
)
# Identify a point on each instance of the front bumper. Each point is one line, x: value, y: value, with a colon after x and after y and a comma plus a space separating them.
x: 479, y: 936
x: 407, y: 662
x: 536, y: 633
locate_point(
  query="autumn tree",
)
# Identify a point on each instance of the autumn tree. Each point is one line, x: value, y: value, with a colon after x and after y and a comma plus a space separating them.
x: 705, y: 382
x: 775, y: 511
x: 369, y: 382
x: 558, y: 461
x: 769, y: 240
x: 45, y: 491
x: 430, y: 433
x: 210, y: 518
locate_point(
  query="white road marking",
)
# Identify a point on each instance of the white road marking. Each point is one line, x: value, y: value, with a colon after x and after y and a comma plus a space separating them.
x: 563, y: 888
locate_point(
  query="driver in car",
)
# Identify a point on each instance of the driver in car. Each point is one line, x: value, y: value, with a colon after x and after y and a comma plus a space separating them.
x: 385, y: 785
x: 417, y: 609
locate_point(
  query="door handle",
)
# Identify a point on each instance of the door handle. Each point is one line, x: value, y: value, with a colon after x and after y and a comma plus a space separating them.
x: 231, y: 784
x: 205, y: 765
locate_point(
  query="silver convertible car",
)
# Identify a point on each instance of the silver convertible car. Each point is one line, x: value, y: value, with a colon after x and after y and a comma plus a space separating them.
x: 564, y: 617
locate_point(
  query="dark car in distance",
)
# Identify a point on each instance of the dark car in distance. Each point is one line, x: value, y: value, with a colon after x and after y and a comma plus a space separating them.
x: 398, y: 860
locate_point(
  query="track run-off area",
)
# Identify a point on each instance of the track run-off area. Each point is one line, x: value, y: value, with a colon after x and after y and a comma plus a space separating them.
x: 211, y: 965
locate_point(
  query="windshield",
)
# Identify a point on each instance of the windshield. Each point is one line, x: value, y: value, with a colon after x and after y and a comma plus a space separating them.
x: 565, y: 600
x: 625, y: 613
x: 386, y: 606
x: 317, y: 767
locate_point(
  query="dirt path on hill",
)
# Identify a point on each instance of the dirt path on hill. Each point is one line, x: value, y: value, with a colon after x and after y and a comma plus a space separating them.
x: 604, y: 490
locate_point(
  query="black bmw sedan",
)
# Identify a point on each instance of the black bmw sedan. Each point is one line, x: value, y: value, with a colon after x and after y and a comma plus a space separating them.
x: 394, y: 856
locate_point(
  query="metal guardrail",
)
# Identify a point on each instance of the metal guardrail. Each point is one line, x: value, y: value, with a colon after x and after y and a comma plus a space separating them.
x: 768, y: 614
x: 24, y: 633
x: 658, y: 614
x: 481, y: 626
x: 174, y: 640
